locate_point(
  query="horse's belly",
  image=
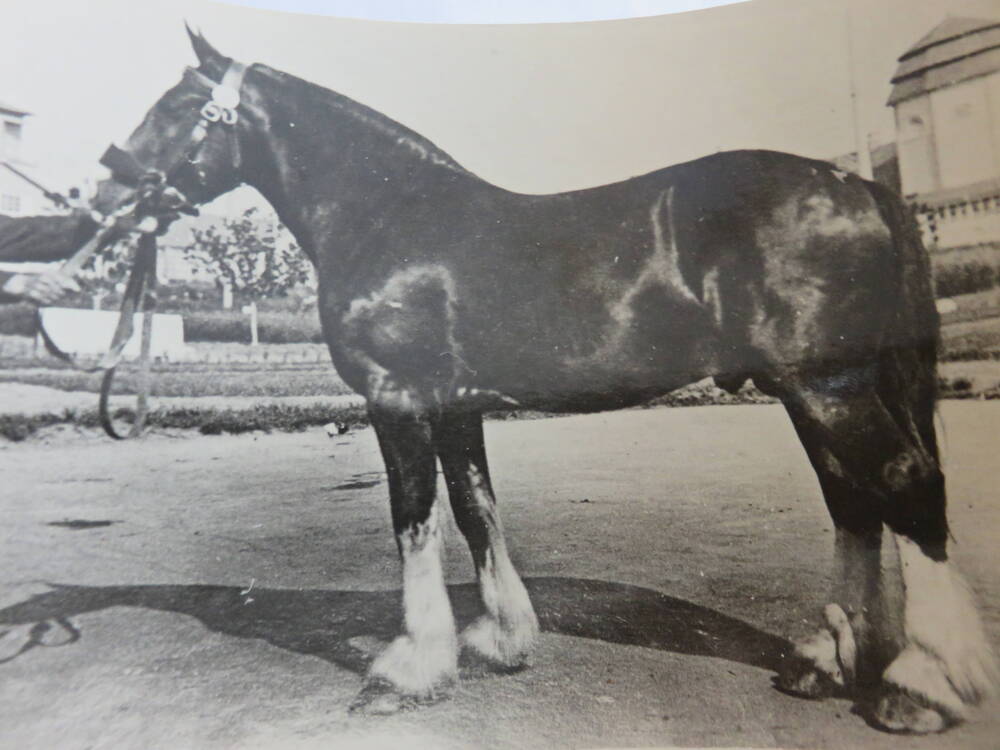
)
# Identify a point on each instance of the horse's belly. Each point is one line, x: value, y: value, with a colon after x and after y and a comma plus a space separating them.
x: 614, y: 372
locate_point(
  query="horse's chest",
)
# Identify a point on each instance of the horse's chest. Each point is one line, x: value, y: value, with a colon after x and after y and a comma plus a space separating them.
x: 407, y: 323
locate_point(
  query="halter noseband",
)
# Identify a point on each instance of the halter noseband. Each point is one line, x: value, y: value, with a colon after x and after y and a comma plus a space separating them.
x: 222, y: 108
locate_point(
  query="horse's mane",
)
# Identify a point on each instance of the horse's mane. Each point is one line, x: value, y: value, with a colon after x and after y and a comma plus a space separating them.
x: 397, y: 133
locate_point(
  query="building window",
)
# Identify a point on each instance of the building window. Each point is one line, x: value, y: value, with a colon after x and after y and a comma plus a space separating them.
x: 11, y: 140
x: 10, y: 204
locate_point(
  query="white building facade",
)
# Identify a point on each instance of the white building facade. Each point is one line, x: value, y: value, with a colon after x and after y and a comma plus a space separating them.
x: 17, y: 197
x: 946, y: 98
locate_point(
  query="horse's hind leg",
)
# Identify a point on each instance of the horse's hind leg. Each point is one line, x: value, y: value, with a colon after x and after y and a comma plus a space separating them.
x: 504, y: 635
x: 850, y: 650
x: 422, y: 662
x: 875, y: 468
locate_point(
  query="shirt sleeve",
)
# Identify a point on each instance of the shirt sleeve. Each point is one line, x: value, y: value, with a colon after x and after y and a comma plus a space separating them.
x: 41, y: 239
x: 5, y: 298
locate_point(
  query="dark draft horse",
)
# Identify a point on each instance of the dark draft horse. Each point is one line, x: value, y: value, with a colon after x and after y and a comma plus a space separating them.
x: 443, y: 296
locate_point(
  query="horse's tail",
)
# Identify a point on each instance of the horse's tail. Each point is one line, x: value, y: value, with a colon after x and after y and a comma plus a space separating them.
x: 909, y: 353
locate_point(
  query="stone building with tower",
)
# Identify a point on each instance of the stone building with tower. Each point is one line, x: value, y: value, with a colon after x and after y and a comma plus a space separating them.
x: 946, y: 99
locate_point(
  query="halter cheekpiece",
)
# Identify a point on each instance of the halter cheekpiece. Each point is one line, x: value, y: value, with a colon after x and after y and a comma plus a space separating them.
x: 222, y: 107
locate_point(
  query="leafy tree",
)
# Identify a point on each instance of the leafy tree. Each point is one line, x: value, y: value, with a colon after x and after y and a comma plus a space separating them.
x: 257, y: 258
x: 109, y: 266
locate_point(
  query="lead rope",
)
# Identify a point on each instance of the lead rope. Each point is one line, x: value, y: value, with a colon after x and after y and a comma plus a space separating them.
x: 142, y: 279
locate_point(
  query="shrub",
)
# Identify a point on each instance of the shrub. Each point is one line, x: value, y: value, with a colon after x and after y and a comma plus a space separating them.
x: 289, y: 328
x: 234, y: 326
x: 960, y: 387
x: 185, y: 297
x: 17, y: 320
x: 964, y: 278
x: 217, y: 326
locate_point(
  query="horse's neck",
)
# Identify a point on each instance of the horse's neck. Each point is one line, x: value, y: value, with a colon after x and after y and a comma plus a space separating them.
x: 326, y: 160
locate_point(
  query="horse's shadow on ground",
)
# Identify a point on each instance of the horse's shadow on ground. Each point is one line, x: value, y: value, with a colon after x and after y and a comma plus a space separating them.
x: 326, y: 623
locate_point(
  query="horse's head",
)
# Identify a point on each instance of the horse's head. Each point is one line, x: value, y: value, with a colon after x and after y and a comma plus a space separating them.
x: 191, y: 136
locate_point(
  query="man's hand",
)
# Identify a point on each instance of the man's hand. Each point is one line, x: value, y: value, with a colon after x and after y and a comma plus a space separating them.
x: 41, y: 288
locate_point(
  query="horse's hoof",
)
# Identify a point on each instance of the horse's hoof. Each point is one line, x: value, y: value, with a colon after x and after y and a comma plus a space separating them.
x: 814, y: 670
x: 381, y: 698
x: 804, y: 679
x: 898, y: 712
x: 474, y: 664
x: 486, y: 646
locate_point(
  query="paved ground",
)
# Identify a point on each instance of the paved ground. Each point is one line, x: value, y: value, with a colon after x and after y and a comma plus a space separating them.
x: 669, y: 553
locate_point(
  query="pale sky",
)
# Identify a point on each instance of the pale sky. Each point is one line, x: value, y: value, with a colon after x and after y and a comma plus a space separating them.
x: 486, y: 11
x: 536, y: 108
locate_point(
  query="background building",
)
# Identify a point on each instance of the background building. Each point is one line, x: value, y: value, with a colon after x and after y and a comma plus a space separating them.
x: 884, y: 160
x: 946, y: 99
x: 17, y: 197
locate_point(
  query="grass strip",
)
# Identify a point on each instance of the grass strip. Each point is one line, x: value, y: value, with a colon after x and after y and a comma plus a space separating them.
x: 211, y: 421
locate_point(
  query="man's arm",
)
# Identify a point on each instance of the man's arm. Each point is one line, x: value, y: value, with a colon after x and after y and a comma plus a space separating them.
x: 41, y: 239
x: 4, y: 297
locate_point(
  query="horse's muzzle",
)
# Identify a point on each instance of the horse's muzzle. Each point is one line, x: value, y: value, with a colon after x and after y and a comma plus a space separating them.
x: 124, y: 167
x: 148, y: 187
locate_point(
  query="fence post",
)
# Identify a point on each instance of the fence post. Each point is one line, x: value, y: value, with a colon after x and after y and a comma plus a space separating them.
x: 251, y: 310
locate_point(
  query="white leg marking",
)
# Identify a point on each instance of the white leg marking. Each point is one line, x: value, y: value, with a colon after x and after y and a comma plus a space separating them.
x: 820, y: 651
x: 425, y: 657
x: 506, y: 633
x: 948, y: 661
x: 843, y: 633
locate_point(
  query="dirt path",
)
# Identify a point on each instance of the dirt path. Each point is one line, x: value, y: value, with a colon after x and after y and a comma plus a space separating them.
x: 669, y: 552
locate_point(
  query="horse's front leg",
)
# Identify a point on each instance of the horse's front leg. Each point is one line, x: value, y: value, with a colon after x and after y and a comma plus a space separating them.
x: 505, y: 634
x: 419, y: 665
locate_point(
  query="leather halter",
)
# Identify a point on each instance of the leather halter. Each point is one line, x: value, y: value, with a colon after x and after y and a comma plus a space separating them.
x: 221, y: 108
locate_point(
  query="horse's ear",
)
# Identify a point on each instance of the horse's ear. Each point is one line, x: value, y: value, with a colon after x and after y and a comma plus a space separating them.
x: 210, y: 60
